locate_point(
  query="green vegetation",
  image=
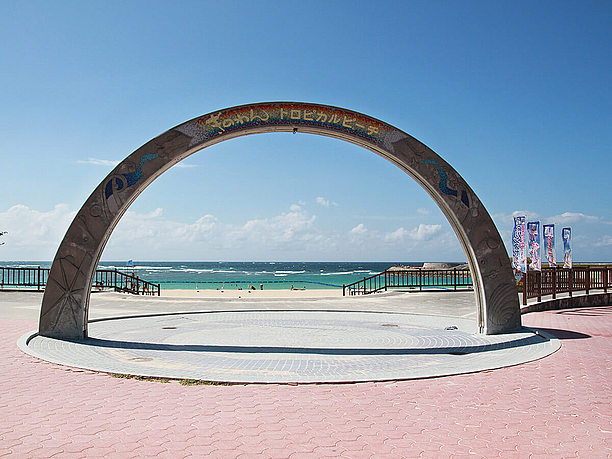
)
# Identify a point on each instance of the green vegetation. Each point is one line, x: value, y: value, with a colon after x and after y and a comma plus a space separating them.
x: 182, y: 382
x: 141, y: 378
x: 198, y: 382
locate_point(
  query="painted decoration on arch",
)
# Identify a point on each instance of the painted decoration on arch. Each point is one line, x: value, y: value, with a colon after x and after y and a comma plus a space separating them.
x: 519, y: 253
x: 549, y: 239
x: 533, y: 234
x: 566, y: 235
x: 307, y: 115
x: 65, y: 304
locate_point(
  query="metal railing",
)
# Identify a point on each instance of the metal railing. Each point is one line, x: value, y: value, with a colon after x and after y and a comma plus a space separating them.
x: 412, y: 279
x: 552, y: 281
x: 105, y: 279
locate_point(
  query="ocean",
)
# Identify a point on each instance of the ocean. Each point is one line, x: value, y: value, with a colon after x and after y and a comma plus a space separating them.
x: 225, y: 274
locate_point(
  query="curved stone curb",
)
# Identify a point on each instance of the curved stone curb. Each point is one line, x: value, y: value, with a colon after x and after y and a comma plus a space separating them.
x: 570, y: 302
x: 290, y: 346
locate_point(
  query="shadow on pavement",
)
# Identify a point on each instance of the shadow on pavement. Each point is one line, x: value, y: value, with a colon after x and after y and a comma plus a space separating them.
x: 588, y: 311
x: 564, y: 334
x: 454, y: 350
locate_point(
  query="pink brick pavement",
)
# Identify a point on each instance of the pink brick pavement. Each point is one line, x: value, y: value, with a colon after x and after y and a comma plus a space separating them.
x: 559, y: 406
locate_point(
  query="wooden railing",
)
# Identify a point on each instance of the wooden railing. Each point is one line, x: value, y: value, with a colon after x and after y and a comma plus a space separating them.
x: 124, y: 282
x: 24, y: 277
x: 412, y: 279
x: 552, y: 281
x: 105, y: 279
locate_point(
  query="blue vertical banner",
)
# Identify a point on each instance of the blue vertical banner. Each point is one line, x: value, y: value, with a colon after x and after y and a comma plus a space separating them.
x: 533, y: 236
x: 519, y: 250
x: 566, y: 235
x: 549, y: 244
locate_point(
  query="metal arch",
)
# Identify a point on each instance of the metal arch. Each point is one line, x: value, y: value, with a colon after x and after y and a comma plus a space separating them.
x: 65, y: 304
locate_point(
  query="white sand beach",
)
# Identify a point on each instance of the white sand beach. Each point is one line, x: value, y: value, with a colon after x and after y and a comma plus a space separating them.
x: 26, y: 304
x: 266, y: 293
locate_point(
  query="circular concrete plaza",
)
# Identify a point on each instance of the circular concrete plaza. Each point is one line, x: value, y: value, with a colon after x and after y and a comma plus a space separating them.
x: 290, y: 346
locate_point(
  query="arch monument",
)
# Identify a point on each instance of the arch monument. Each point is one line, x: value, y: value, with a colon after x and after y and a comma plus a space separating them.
x: 65, y: 304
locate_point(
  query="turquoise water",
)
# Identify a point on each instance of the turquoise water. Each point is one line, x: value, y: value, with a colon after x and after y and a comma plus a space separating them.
x: 272, y: 275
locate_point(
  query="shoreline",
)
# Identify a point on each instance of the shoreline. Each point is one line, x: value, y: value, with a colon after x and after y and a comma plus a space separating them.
x: 245, y: 293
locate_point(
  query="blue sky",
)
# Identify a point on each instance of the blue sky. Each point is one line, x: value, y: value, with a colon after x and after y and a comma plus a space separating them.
x: 514, y: 95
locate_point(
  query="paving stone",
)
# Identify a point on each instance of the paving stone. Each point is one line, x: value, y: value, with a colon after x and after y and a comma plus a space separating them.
x: 558, y: 406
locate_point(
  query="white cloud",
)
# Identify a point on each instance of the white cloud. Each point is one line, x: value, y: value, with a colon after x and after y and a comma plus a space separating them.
x: 425, y: 232
x: 529, y: 215
x: 325, y: 202
x: 420, y: 233
x: 33, y: 234
x: 153, y: 214
x: 417, y: 243
x: 294, y: 234
x: 562, y: 219
x: 573, y: 217
x: 605, y: 241
x: 98, y: 162
x: 294, y: 226
x: 397, y: 235
x: 358, y: 230
x: 322, y: 201
x: 566, y: 218
x: 525, y: 213
x: 290, y: 235
x: 423, y: 211
x: 153, y: 229
x: 292, y: 230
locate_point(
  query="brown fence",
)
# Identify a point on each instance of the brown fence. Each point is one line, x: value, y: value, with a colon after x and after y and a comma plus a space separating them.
x: 412, y: 279
x: 552, y: 281
x: 123, y: 282
x: 36, y: 277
